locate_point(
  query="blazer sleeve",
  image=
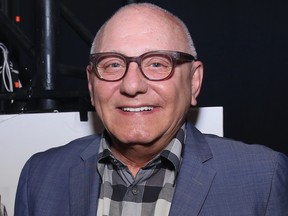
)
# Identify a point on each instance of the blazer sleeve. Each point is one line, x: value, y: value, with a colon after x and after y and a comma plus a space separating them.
x: 21, y: 200
x: 278, y: 198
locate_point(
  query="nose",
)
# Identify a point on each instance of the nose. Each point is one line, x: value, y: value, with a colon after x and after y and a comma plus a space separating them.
x: 133, y: 82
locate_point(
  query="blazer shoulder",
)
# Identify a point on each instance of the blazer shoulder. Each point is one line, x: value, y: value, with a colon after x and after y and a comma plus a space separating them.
x: 70, y: 152
x: 46, y: 176
x: 244, y: 153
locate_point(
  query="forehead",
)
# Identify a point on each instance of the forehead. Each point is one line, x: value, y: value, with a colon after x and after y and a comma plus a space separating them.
x: 142, y: 28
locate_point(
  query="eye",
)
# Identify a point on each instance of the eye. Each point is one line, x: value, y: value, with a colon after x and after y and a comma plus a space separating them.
x: 111, y: 63
x: 156, y: 62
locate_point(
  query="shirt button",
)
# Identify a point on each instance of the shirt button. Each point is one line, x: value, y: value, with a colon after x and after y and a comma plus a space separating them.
x: 135, y: 190
x: 115, y: 162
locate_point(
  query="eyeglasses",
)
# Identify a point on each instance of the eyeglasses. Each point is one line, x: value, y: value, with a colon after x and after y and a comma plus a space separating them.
x: 154, y: 65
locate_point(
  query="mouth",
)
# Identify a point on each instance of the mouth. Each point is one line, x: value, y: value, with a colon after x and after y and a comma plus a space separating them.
x: 137, y: 109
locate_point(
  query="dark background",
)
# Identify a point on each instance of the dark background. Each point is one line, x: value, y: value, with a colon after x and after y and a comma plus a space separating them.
x: 242, y: 43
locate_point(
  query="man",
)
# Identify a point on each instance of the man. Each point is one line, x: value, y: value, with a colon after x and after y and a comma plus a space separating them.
x: 143, y: 76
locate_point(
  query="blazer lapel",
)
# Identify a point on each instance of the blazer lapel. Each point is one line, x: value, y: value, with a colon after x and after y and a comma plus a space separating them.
x: 195, y: 177
x: 84, y: 185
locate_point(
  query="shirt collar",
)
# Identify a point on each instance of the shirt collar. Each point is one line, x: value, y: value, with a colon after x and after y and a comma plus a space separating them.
x: 172, y: 152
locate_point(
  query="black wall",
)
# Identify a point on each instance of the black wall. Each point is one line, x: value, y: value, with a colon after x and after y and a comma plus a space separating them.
x: 242, y: 43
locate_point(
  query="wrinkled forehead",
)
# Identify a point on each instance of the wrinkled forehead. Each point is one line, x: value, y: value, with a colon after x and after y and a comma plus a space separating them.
x: 140, y: 23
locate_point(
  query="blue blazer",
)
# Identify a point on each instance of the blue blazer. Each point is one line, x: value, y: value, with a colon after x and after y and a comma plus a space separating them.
x: 218, y: 177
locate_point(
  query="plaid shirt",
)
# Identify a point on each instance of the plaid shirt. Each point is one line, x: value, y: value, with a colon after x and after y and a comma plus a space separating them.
x: 149, y: 193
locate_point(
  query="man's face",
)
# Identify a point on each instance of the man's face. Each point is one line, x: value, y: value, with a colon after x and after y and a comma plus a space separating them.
x: 135, y: 110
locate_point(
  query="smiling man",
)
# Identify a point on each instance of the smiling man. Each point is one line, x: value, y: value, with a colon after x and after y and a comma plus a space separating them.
x: 143, y: 77
x: 143, y: 101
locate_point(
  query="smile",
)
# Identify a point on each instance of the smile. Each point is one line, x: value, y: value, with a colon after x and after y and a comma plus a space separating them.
x: 138, y: 109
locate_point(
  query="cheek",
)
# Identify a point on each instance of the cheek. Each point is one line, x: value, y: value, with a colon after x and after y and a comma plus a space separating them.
x: 103, y: 95
x: 176, y: 96
x: 179, y: 90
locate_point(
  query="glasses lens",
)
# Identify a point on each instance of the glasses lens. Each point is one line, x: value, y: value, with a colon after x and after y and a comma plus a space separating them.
x: 157, y: 66
x: 111, y: 67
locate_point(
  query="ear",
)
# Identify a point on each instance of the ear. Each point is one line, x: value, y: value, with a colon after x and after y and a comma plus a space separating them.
x: 197, y: 77
x: 90, y: 77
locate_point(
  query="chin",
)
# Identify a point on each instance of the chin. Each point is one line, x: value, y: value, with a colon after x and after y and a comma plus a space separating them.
x: 136, y: 138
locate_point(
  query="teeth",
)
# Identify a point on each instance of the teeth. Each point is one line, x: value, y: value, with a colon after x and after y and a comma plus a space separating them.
x: 138, y: 109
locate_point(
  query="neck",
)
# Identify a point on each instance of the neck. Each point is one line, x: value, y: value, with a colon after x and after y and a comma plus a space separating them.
x: 133, y: 156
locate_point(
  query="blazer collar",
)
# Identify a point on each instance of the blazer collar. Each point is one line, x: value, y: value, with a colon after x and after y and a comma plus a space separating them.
x: 84, y: 183
x: 195, y: 177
